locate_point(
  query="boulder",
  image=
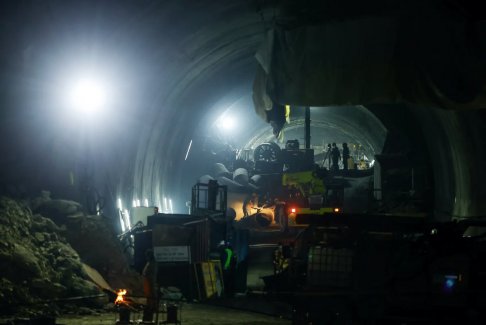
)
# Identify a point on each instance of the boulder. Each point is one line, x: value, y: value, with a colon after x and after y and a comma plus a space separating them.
x: 39, y: 223
x: 240, y: 176
x: 21, y: 263
x: 58, y: 210
x: 45, y: 288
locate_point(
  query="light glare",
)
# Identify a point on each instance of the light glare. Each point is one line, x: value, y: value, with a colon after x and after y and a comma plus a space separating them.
x: 188, y: 149
x: 128, y: 221
x: 87, y: 95
x: 226, y: 123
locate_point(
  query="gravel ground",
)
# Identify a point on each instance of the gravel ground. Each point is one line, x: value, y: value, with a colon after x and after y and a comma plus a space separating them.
x: 191, y: 314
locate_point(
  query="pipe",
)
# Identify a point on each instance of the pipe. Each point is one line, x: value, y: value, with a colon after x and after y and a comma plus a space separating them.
x: 307, y: 139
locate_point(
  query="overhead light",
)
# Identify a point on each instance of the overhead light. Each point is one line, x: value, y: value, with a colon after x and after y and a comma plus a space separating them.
x: 87, y: 95
x: 226, y: 123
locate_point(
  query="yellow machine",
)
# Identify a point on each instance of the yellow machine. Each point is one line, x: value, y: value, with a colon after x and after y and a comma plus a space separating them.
x: 310, y: 196
x: 306, y: 182
x: 294, y: 211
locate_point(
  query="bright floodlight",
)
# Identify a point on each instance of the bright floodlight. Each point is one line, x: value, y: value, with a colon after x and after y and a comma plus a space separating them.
x: 87, y: 95
x: 226, y: 123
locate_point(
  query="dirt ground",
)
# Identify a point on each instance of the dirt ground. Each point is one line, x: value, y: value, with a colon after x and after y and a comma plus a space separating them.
x: 191, y: 314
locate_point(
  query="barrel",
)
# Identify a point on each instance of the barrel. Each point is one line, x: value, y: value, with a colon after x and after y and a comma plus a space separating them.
x: 220, y: 170
x: 240, y: 176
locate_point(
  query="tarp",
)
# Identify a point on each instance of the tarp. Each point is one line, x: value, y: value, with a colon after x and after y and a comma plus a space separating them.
x: 428, y: 61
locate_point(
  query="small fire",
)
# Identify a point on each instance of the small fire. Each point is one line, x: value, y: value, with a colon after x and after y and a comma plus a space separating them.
x: 119, y: 299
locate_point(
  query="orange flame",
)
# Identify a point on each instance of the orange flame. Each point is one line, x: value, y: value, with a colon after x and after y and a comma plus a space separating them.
x: 119, y: 299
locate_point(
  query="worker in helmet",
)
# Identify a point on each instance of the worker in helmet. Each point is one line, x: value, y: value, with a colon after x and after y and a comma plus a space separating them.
x: 250, y: 204
x: 228, y: 263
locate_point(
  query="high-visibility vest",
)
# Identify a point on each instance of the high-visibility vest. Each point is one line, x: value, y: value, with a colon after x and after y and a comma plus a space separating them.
x: 229, y: 255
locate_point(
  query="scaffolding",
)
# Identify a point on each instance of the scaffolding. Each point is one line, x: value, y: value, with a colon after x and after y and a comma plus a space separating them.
x: 209, y: 199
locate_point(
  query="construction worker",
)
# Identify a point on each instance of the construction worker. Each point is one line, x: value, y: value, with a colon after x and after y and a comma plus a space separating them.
x: 336, y: 156
x: 328, y: 155
x: 250, y: 204
x: 228, y: 261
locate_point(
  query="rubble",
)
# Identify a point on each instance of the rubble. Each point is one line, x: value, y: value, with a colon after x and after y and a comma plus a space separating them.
x: 38, y: 264
x: 93, y: 238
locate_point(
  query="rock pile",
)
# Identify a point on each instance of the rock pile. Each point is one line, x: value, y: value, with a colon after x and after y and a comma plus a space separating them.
x: 38, y: 265
x: 93, y: 238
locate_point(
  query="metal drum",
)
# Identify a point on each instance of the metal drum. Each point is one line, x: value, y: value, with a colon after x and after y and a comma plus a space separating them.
x: 220, y: 170
x: 240, y: 176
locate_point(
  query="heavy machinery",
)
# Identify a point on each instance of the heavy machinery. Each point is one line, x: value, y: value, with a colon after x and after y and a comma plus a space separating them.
x: 310, y: 192
x: 293, y: 183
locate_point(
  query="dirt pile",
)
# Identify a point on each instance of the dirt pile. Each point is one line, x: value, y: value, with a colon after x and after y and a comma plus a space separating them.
x: 38, y: 265
x: 93, y: 238
x: 44, y: 245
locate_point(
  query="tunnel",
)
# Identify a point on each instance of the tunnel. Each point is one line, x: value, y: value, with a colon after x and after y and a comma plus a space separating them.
x: 182, y: 82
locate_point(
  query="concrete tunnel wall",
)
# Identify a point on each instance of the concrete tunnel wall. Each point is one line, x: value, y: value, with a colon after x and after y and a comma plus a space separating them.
x: 458, y: 189
x: 197, y: 55
x: 354, y: 124
x: 456, y: 144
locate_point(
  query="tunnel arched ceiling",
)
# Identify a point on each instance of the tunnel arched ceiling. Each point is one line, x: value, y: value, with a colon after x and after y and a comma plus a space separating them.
x: 175, y: 66
x: 352, y: 124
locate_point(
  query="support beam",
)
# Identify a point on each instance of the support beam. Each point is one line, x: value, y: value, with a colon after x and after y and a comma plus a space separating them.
x: 307, y: 128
